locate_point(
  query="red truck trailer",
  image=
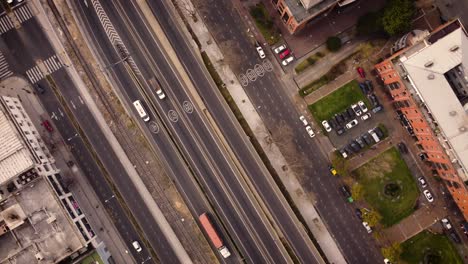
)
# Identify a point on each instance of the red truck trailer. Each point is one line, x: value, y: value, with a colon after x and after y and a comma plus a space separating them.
x: 213, y: 235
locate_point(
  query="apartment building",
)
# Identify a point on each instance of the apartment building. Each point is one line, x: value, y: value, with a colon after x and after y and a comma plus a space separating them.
x: 428, y: 83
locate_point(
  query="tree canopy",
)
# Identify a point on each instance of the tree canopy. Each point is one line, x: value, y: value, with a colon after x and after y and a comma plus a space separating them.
x: 397, y: 16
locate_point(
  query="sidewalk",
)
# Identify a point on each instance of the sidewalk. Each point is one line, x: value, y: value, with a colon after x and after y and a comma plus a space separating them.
x: 295, y: 190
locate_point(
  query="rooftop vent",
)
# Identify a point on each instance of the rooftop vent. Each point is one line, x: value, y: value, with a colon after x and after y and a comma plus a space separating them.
x: 428, y: 64
x: 453, y: 113
x: 431, y: 76
x: 462, y: 129
x: 454, y: 48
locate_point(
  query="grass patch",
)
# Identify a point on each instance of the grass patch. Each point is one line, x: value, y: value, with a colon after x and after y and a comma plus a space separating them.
x: 311, y: 60
x: 264, y: 23
x: 383, y: 176
x: 337, y: 101
x: 434, y: 247
x: 92, y: 259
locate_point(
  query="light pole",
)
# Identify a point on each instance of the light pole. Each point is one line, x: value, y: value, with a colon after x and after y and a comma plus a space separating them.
x: 72, y: 137
x: 107, y: 200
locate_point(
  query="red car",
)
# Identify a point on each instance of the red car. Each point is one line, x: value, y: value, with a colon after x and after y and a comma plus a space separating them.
x: 284, y: 54
x: 48, y: 126
x: 361, y: 72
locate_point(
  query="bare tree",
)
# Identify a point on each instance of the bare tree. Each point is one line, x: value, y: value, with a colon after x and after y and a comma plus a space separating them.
x: 189, y: 8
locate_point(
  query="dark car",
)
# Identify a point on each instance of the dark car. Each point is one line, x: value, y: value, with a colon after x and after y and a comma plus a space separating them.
x: 339, y: 119
x: 373, y: 99
x: 455, y: 238
x: 369, y: 85
x: 377, y: 109
x: 358, y: 213
x: 39, y: 88
x: 333, y: 123
x: 368, y: 139
x: 464, y: 227
x: 348, y: 149
x: 340, y: 131
x: 345, y: 116
x: 351, y: 112
x: 402, y: 147
x: 379, y: 132
x: 364, y: 88
x: 360, y: 141
x: 346, y: 193
x: 355, y: 146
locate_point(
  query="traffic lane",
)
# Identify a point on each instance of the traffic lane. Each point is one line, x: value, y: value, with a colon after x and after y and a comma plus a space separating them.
x: 90, y: 169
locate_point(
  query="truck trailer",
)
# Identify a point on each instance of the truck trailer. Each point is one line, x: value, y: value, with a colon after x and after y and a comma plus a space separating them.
x: 213, y: 235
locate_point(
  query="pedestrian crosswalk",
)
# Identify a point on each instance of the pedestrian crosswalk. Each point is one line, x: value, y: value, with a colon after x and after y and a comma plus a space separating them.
x: 51, y: 64
x: 5, y: 24
x: 23, y: 13
x: 4, y: 69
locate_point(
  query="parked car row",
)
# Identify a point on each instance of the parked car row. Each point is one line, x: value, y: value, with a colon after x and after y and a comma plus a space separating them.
x: 367, y: 88
x: 368, y: 138
x: 347, y: 119
x: 447, y: 225
x: 284, y: 54
x: 308, y: 128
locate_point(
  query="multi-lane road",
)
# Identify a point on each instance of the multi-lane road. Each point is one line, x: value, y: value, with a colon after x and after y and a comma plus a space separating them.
x: 231, y: 197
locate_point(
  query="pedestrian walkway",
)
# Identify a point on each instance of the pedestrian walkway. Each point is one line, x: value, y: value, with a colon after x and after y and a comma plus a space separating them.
x: 5, y: 24
x: 52, y: 64
x: 23, y: 13
x: 4, y: 68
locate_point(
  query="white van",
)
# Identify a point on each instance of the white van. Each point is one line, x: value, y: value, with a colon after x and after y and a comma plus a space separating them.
x: 141, y: 110
x: 374, y: 135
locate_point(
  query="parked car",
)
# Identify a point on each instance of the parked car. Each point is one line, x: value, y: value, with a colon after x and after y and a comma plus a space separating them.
x: 358, y: 213
x: 333, y: 123
x: 346, y: 193
x: 350, y: 112
x: 47, y: 125
x: 402, y: 147
x: 347, y: 116
x: 340, y: 131
x: 284, y: 54
x: 455, y: 238
x: 260, y: 52
x: 39, y: 88
x: 137, y: 246
x: 379, y: 132
x: 280, y: 48
x: 377, y: 109
x: 422, y: 182
x: 161, y: 95
x: 369, y: 85
x: 332, y: 170
x: 361, y: 72
x: 356, y: 109
x: 446, y: 223
x: 363, y: 106
x: 348, y: 149
x: 368, y: 139
x: 364, y: 88
x: 365, y: 117
x: 343, y: 153
x: 310, y: 131
x: 373, y: 99
x: 303, y: 120
x: 351, y: 124
x: 339, y: 119
x: 355, y: 146
x: 367, y: 227
x: 361, y: 142
x: 287, y: 60
x: 428, y: 196
x: 464, y: 227
x: 326, y: 126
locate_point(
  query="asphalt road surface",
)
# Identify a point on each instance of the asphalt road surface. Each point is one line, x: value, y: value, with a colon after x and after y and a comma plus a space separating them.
x: 216, y: 173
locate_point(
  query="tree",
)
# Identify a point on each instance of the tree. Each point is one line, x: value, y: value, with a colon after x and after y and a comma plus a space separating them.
x: 392, y: 252
x: 370, y: 23
x: 372, y: 217
x: 333, y: 44
x: 397, y: 16
x: 357, y: 191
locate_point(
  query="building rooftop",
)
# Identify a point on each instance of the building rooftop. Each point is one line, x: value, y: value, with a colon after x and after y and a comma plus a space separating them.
x: 302, y: 9
x: 427, y: 66
x: 14, y: 155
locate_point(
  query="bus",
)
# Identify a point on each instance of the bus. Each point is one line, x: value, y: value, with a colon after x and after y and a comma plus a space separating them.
x: 141, y: 110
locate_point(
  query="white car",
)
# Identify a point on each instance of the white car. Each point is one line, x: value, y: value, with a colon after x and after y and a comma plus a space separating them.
x: 287, y: 60
x: 365, y: 117
x: 326, y: 126
x: 160, y: 94
x: 261, y: 53
x: 363, y: 106
x: 428, y: 195
x: 367, y: 227
x: 422, y: 182
x: 310, y: 131
x: 303, y: 120
x: 446, y: 223
x: 356, y: 109
x: 280, y: 48
x: 351, y: 124
x: 136, y: 245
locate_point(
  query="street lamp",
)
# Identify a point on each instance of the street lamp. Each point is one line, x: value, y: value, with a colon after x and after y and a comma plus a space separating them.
x: 74, y: 136
x: 107, y: 200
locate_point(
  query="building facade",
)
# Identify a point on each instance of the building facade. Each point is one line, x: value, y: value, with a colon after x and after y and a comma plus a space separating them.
x: 428, y: 85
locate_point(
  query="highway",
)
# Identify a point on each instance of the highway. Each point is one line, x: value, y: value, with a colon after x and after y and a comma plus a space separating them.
x: 222, y: 20
x: 203, y: 152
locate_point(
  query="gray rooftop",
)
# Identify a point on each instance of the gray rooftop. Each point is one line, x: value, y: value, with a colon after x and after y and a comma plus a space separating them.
x: 303, y: 9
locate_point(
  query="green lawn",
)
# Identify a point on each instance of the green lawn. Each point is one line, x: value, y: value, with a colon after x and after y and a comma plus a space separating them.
x: 92, y: 259
x: 338, y: 101
x: 388, y: 169
x: 437, y: 247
